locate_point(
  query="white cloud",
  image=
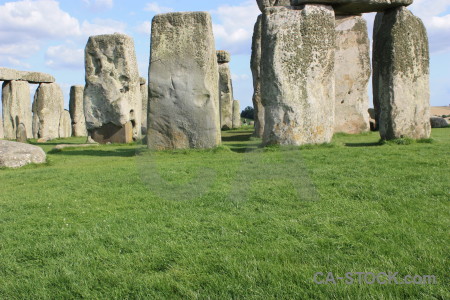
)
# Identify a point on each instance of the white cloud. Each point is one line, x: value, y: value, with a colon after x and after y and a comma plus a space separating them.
x: 154, y: 7
x: 99, y: 5
x: 144, y: 28
x: 240, y: 77
x: 64, y: 57
x: 102, y: 26
x: 234, y: 33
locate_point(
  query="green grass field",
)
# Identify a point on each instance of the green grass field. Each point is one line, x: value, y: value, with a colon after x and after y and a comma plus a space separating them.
x: 236, y: 222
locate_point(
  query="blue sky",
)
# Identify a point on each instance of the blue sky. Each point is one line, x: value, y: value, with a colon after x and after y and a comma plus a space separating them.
x: 50, y: 35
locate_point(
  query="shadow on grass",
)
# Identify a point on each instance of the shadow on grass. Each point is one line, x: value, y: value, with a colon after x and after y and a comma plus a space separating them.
x: 125, y: 152
x: 238, y: 136
x: 374, y: 144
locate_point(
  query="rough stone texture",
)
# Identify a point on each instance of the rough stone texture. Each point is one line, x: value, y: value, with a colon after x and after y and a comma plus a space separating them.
x: 255, y: 65
x: 65, y: 125
x: 32, y: 77
x: 47, y: 108
x: 76, y: 109
x: 112, y: 92
x: 144, y: 95
x: 354, y: 7
x: 236, y: 114
x: 16, y: 155
x: 1, y: 128
x: 263, y: 4
x: 225, y: 90
x: 297, y: 75
x: 183, y: 83
x: 402, y: 55
x: 21, y: 135
x: 352, y: 65
x: 438, y: 122
x: 64, y: 146
x: 142, y: 81
x: 16, y: 108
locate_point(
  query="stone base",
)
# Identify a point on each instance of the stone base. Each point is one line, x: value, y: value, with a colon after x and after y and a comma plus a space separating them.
x: 111, y: 133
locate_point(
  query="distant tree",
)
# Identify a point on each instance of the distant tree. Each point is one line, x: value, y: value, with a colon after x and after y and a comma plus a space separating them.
x: 248, y: 113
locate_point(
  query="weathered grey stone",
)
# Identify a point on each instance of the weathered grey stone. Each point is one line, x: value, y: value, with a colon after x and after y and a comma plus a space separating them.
x: 236, y: 114
x: 255, y: 66
x: 297, y: 74
x: 21, y: 134
x: 16, y: 108
x: 183, y: 83
x: 32, y: 77
x: 1, y: 128
x: 65, y: 125
x: 402, y: 55
x: 438, y: 122
x: 225, y: 90
x: 16, y: 155
x: 112, y: 92
x: 144, y: 95
x: 352, y: 65
x: 354, y: 7
x: 47, y: 108
x: 76, y: 109
x: 263, y: 4
x: 64, y: 146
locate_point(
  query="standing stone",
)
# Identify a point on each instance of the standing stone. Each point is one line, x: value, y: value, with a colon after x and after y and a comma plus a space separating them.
x: 21, y: 134
x: 183, y: 83
x: 263, y: 4
x: 352, y: 66
x: 47, y: 108
x: 144, y: 95
x: 297, y: 74
x: 376, y: 70
x: 76, y: 109
x: 354, y: 7
x: 403, y: 63
x: 255, y: 65
x: 16, y: 107
x: 1, y: 128
x: 65, y: 125
x: 225, y: 90
x: 112, y: 99
x: 236, y: 114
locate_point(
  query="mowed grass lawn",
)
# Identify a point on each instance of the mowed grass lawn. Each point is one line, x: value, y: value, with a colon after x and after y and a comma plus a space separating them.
x: 236, y: 222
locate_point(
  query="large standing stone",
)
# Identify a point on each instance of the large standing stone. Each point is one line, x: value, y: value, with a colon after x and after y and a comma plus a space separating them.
x: 47, y: 108
x: 354, y: 7
x: 402, y: 55
x: 112, y: 96
x: 16, y: 107
x: 263, y: 4
x: 32, y: 77
x: 16, y: 155
x: 236, y: 114
x: 183, y: 83
x: 76, y: 109
x: 65, y: 125
x: 255, y: 65
x: 376, y: 70
x: 297, y: 74
x: 352, y: 65
x: 144, y: 95
x: 1, y: 128
x: 225, y: 90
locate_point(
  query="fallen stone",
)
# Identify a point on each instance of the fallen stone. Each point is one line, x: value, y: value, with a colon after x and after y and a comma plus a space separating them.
x: 64, y: 146
x: 183, y: 83
x: 16, y: 105
x: 76, y: 109
x: 112, y: 92
x: 236, y: 114
x: 42, y: 140
x: 354, y: 7
x: 297, y: 75
x: 7, y: 74
x: 47, y: 108
x: 352, y: 65
x: 16, y: 155
x: 402, y: 55
x: 263, y: 4
x: 438, y: 122
x: 255, y: 65
x: 65, y: 125
x: 225, y: 90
